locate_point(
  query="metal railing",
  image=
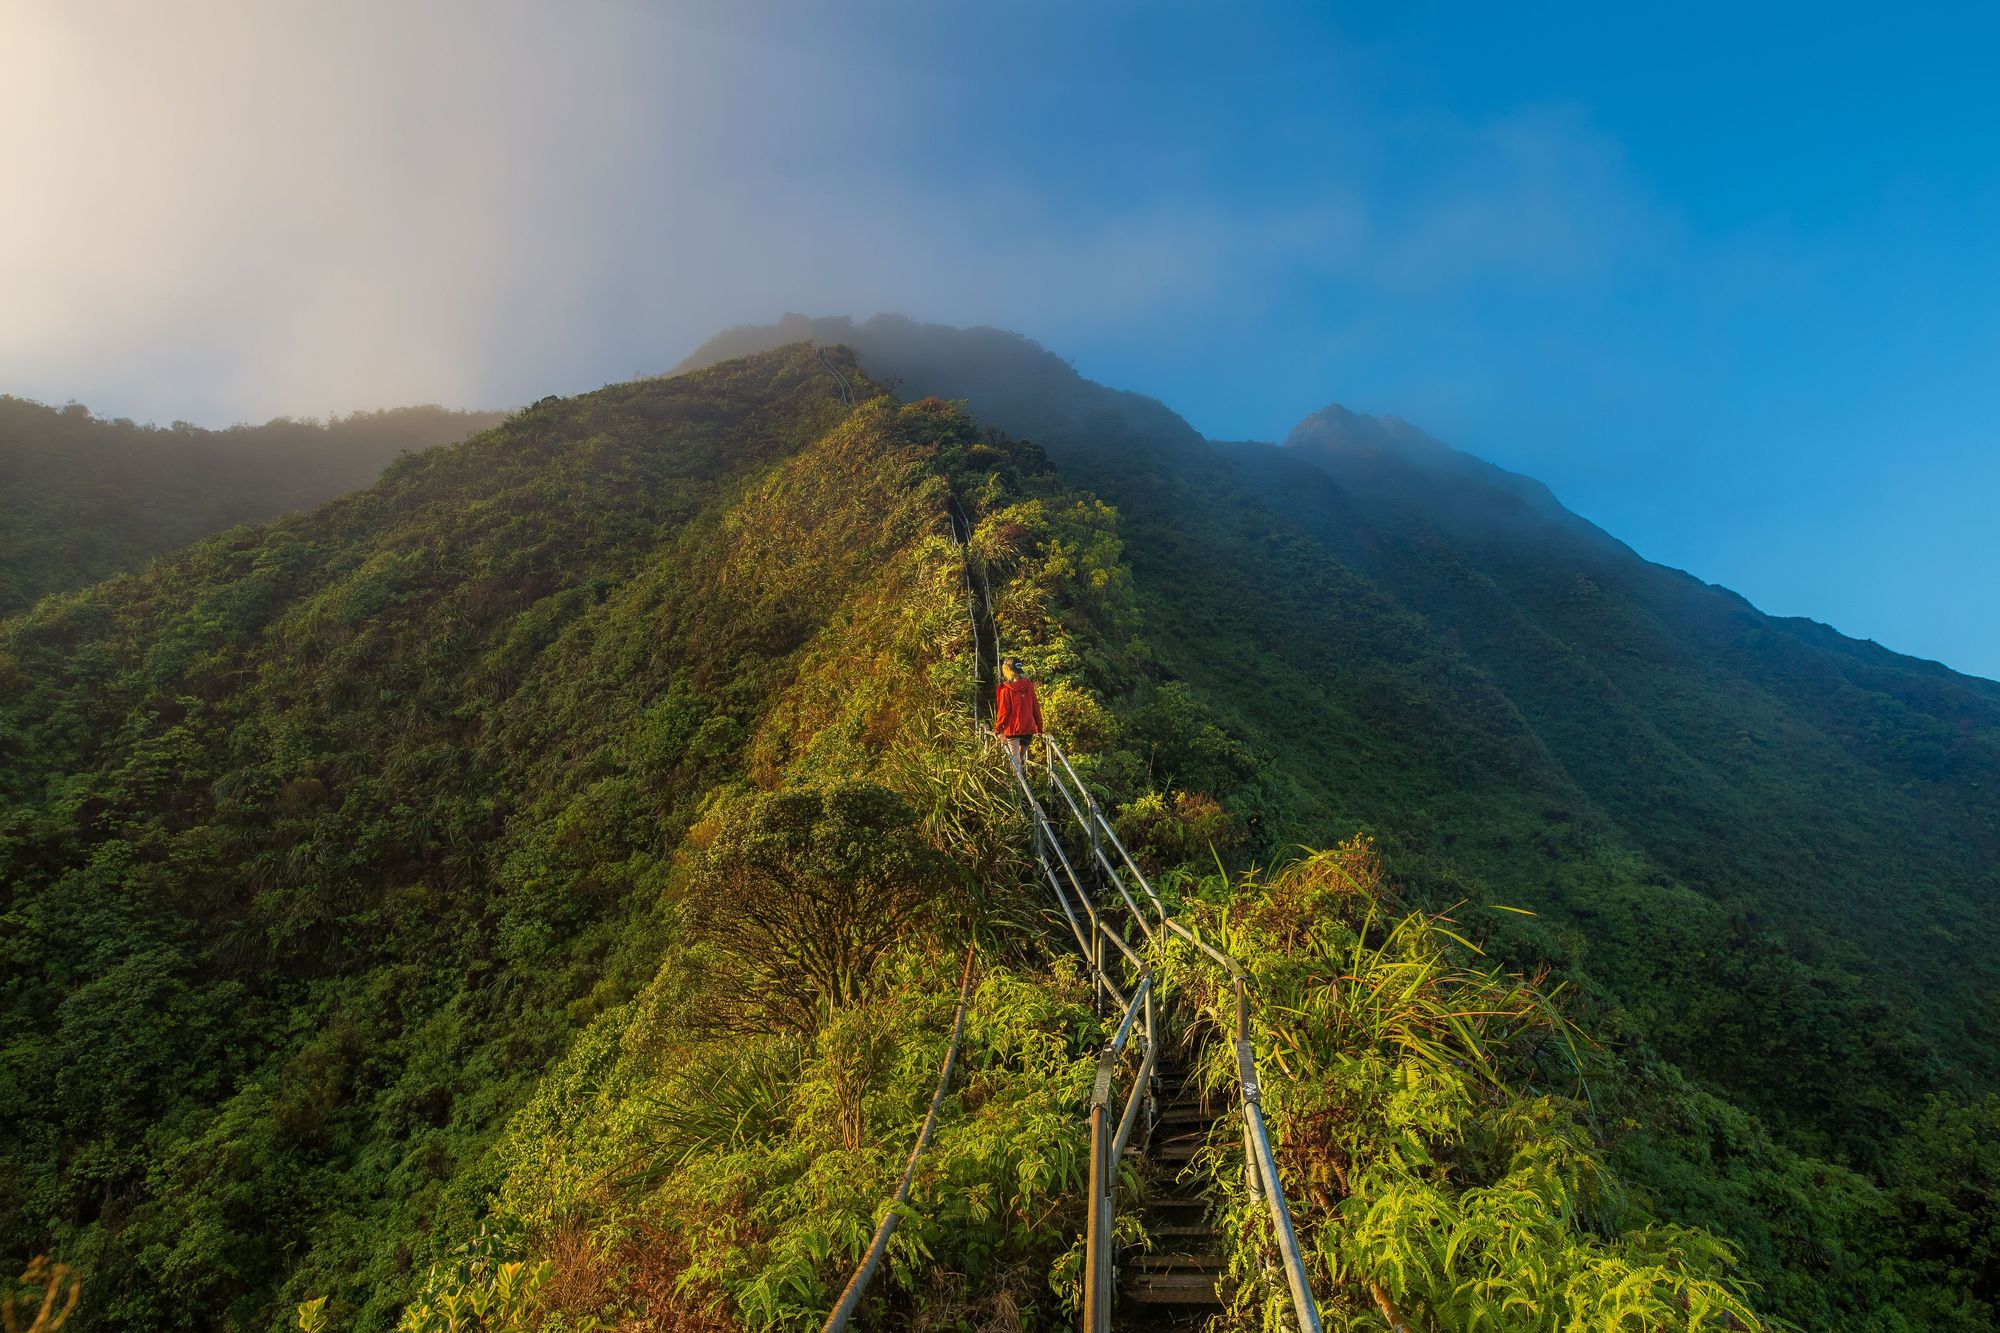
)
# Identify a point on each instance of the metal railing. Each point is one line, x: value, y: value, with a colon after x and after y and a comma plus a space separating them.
x: 1260, y: 1164
x: 1139, y: 1010
x: 839, y: 380
x: 857, y: 1286
x: 1137, y: 1015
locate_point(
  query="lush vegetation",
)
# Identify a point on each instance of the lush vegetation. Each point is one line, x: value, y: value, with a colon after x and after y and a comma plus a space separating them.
x: 82, y: 498
x: 1707, y: 806
x: 1755, y: 848
x: 530, y: 893
x: 1437, y: 1122
x: 332, y: 847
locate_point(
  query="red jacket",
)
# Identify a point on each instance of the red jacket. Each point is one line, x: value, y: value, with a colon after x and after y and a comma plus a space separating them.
x: 1018, y: 713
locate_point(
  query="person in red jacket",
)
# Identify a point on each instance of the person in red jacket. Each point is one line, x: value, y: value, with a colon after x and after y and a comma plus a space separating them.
x: 1017, y: 714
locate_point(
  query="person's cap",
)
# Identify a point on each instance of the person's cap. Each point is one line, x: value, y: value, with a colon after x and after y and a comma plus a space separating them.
x: 1014, y: 662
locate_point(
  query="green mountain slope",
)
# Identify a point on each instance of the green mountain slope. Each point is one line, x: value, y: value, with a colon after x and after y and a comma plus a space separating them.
x: 1832, y: 797
x: 561, y: 853
x: 82, y: 498
x: 322, y: 839
x: 1752, y: 828
x: 1767, y: 850
x: 346, y: 864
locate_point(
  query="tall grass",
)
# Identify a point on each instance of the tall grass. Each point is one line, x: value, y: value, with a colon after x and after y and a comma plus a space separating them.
x: 1433, y: 1122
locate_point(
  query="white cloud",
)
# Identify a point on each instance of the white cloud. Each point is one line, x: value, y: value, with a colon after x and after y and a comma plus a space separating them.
x: 237, y: 209
x: 267, y: 205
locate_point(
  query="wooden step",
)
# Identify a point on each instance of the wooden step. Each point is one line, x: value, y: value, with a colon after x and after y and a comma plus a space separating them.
x: 1190, y: 1288
x: 1181, y: 1113
x: 1167, y: 1192
x: 1178, y: 1148
x: 1187, y: 1229
x: 1188, y: 1132
x: 1176, y: 1261
x: 1189, y: 1268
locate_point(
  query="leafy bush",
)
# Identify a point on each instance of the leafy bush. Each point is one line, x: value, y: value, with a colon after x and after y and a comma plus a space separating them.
x: 805, y: 890
x: 1437, y: 1175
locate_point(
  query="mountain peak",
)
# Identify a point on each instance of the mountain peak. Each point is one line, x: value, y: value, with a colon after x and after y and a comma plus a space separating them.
x: 1338, y: 428
x: 1388, y: 456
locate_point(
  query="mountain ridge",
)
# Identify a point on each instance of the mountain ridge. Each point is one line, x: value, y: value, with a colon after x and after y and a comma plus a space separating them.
x: 1642, y: 701
x: 350, y: 870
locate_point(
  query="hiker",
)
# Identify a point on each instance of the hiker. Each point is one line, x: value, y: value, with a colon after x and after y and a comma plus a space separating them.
x: 1018, y: 715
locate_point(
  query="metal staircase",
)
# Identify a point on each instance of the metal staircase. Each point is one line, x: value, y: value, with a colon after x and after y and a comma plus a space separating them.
x: 1180, y: 1281
x: 1164, y: 1121
x: 1116, y: 929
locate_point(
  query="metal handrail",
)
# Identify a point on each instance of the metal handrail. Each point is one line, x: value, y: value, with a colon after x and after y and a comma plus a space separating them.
x: 1096, y: 850
x: 1098, y: 1247
x: 1103, y: 825
x: 1046, y: 837
x: 1140, y: 1082
x: 1261, y: 1169
x: 1260, y: 1161
x: 1104, y: 1158
x: 1097, y: 1301
x: 1076, y: 927
x: 1106, y: 1145
x: 1090, y: 801
x: 850, y: 1298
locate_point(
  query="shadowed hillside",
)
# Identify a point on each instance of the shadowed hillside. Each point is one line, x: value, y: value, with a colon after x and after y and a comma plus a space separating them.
x: 332, y: 849
x: 82, y: 497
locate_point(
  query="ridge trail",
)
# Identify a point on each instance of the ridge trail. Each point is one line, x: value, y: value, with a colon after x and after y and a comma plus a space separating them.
x: 1166, y: 1121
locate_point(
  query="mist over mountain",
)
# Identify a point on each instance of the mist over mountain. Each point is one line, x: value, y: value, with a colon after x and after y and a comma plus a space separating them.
x: 82, y: 497
x: 483, y: 868
x: 1353, y: 445
x: 1378, y: 712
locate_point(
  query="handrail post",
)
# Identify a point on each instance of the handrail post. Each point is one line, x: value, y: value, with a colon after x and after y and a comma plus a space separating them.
x: 1096, y: 842
x: 1097, y: 956
x: 1049, y: 766
x: 1142, y: 1081
x: 1108, y: 1245
x: 1150, y: 1072
x: 1097, y: 1226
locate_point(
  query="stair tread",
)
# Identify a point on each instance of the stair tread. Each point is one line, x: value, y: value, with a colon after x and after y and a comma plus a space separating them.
x: 1174, y: 1292
x: 1187, y: 1269
x: 1157, y: 1264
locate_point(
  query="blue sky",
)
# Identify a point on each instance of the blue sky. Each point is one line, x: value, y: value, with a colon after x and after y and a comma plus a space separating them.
x: 1724, y: 277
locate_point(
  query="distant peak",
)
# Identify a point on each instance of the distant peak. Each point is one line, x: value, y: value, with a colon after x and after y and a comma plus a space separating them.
x: 1365, y: 450
x: 1336, y: 428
